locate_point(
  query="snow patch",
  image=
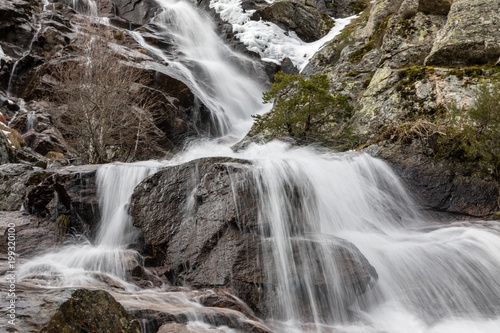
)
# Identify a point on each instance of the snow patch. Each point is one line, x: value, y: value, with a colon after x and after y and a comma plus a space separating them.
x: 269, y: 40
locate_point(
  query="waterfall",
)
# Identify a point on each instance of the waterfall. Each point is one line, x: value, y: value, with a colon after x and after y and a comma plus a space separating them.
x: 78, y: 264
x: 430, y: 278
x: 215, y: 73
x: 31, y: 121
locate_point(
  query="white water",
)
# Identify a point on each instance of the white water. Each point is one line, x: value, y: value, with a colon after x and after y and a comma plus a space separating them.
x: 77, y: 265
x: 31, y: 121
x: 431, y: 278
x: 209, y: 67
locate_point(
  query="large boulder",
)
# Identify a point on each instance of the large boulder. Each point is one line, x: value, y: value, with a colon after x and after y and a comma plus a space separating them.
x: 296, y: 15
x: 204, y: 227
x: 16, y: 181
x: 70, y: 193
x: 92, y: 311
x: 470, y: 35
x: 135, y: 11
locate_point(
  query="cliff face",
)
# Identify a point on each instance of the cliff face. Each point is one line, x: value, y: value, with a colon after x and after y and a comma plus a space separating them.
x: 403, y: 63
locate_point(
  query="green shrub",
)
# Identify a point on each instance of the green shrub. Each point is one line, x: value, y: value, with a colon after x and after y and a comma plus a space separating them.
x: 474, y: 133
x: 303, y: 108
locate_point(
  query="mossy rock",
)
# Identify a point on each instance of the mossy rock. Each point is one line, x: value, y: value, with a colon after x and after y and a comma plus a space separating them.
x: 92, y: 311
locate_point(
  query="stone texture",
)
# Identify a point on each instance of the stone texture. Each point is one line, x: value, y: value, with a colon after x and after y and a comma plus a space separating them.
x: 470, y: 35
x: 309, y: 24
x: 203, y: 226
x: 434, y: 7
x: 440, y: 186
x: 92, y: 311
x: 33, y: 235
x: 135, y: 11
x: 16, y: 181
x: 379, y: 11
x: 70, y: 190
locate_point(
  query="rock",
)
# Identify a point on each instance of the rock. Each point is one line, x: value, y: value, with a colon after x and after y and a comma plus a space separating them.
x: 69, y: 190
x: 435, y: 7
x: 204, y: 226
x: 33, y: 235
x: 136, y: 11
x: 379, y: 11
x: 439, y: 185
x: 49, y: 309
x: 470, y: 35
x: 342, y: 8
x: 179, y: 328
x: 288, y: 67
x: 295, y: 15
x: 46, y: 141
x: 16, y: 29
x: 92, y: 311
x: 16, y: 181
x: 6, y: 151
x: 409, y: 41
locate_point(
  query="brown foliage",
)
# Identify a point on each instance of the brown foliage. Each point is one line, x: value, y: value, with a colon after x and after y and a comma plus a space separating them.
x: 106, y: 105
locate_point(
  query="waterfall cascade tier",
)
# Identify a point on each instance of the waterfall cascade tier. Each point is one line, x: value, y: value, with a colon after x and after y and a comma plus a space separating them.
x: 431, y: 278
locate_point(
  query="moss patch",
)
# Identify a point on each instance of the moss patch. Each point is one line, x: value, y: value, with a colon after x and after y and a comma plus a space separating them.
x: 92, y: 311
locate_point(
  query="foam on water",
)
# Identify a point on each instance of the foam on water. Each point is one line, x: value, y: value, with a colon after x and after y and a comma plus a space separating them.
x: 431, y: 278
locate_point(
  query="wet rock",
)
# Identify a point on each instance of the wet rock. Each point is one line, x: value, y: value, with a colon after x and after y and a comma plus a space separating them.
x: 204, y: 226
x: 292, y: 15
x: 70, y: 190
x: 92, y: 311
x: 439, y: 185
x: 179, y: 328
x: 16, y: 28
x: 33, y: 235
x: 470, y: 35
x: 16, y: 181
x: 136, y: 11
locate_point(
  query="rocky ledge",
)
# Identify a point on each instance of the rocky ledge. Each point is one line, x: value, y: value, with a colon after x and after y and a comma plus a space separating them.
x: 204, y: 229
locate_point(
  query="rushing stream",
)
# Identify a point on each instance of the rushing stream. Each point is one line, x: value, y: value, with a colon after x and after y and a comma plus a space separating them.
x: 431, y: 278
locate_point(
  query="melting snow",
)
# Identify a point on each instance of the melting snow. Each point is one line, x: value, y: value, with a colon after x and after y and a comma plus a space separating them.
x: 269, y: 40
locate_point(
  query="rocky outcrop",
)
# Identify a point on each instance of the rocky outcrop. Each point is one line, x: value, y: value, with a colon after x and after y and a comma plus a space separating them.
x: 34, y: 235
x: 409, y: 63
x: 138, y: 12
x: 292, y: 15
x: 92, y: 311
x: 204, y: 228
x: 79, y: 310
x: 470, y: 35
x: 71, y: 192
x: 440, y: 186
x: 16, y: 181
x: 16, y: 26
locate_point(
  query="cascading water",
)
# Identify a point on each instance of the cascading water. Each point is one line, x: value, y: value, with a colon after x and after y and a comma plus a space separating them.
x: 429, y: 278
x: 211, y: 69
x: 428, y: 281
x: 76, y: 265
x: 28, y: 49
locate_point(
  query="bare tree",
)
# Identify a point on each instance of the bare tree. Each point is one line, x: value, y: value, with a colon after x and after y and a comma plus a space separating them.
x: 106, y: 104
